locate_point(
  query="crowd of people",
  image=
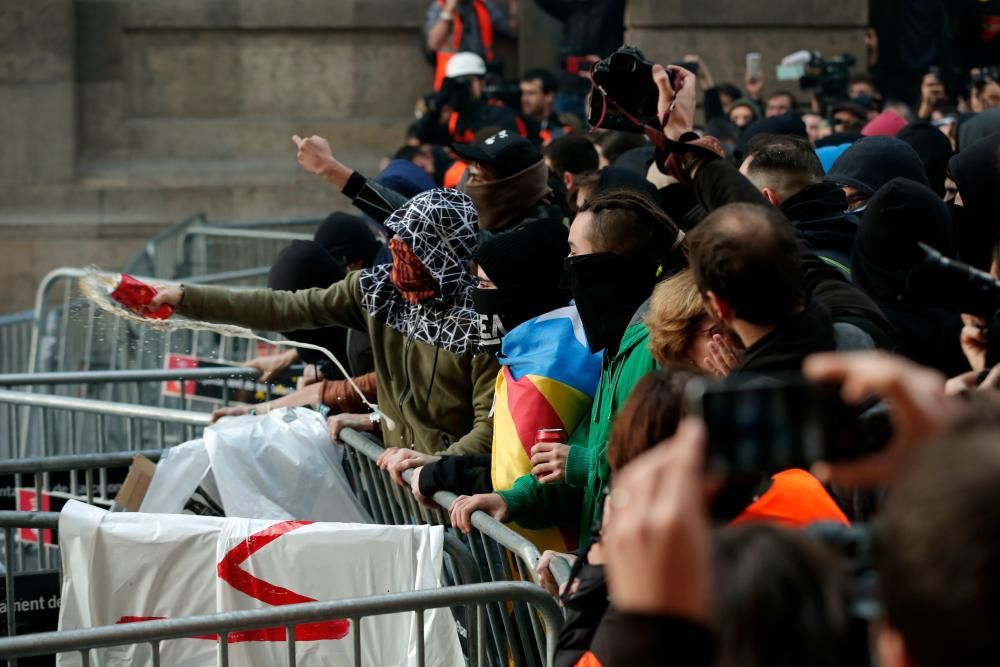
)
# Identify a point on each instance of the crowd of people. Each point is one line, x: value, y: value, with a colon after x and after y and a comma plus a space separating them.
x: 514, y: 274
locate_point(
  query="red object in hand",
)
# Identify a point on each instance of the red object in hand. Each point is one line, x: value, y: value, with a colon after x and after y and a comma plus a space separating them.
x: 136, y: 295
x: 550, y: 435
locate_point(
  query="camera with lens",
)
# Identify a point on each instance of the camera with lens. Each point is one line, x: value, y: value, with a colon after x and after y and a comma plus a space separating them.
x: 624, y: 95
x: 946, y: 283
x: 455, y: 93
x: 504, y: 90
x: 831, y: 77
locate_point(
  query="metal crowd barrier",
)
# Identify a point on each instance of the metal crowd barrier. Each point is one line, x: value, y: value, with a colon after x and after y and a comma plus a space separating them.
x: 73, y: 334
x: 147, y: 386
x: 289, y: 617
x: 214, y: 248
x: 459, y: 567
x: 501, y: 553
x: 15, y: 341
x: 33, y: 424
x: 167, y: 255
x: 515, y: 634
x: 158, y: 256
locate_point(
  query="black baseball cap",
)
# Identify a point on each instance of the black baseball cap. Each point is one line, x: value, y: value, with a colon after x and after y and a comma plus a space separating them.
x: 506, y: 151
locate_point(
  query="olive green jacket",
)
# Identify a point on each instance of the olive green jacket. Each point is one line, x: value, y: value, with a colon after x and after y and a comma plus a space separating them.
x: 440, y: 402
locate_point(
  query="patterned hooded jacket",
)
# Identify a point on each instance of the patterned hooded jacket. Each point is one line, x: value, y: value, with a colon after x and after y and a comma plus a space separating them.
x: 432, y: 383
x: 440, y: 227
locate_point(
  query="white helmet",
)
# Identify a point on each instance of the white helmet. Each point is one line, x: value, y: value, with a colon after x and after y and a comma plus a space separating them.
x: 465, y: 63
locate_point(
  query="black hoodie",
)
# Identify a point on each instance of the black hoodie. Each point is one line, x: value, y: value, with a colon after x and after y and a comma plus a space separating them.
x: 885, y: 251
x: 718, y: 183
x: 976, y: 172
x: 871, y: 162
x: 304, y: 265
x: 783, y: 350
x: 817, y: 212
x: 934, y: 150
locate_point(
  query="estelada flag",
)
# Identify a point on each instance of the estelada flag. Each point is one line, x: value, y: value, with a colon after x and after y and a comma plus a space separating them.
x: 548, y: 380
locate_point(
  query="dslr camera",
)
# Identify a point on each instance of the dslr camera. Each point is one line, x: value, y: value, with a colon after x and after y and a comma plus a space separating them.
x: 950, y: 284
x: 624, y: 96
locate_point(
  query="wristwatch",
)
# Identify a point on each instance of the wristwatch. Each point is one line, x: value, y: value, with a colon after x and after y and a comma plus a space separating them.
x: 445, y: 16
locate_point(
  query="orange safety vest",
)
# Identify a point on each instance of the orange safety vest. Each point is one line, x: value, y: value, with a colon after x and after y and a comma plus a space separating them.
x: 796, y: 499
x: 547, y: 134
x: 467, y: 136
x: 463, y: 137
x: 485, y: 31
x: 454, y: 175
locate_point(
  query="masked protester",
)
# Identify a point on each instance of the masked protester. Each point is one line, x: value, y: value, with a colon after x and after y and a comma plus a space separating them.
x: 885, y: 251
x: 508, y: 181
x: 548, y: 374
x: 620, y: 242
x: 934, y: 150
x: 432, y: 381
x: 976, y: 172
x: 304, y: 265
x: 870, y: 163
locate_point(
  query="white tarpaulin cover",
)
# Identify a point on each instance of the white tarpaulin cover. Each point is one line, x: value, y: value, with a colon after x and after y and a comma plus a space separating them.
x: 278, y: 466
x: 122, y: 567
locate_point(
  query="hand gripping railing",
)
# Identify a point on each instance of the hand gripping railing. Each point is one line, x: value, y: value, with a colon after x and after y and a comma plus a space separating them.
x: 501, y: 553
x: 290, y: 616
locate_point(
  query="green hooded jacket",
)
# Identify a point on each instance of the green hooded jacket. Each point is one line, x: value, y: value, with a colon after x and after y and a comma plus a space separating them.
x: 440, y: 401
x: 536, y: 505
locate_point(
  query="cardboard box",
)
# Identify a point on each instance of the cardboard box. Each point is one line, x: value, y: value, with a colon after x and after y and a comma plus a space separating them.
x: 136, y: 484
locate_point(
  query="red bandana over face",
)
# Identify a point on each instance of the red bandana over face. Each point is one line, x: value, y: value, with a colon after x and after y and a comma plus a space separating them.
x: 409, y: 275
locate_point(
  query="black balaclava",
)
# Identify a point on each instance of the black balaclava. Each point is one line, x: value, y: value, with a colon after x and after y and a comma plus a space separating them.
x: 608, y: 289
x: 976, y: 172
x: 934, y: 150
x: 898, y: 216
x: 304, y: 265
x: 348, y: 238
x: 978, y: 126
x: 872, y: 162
x: 526, y: 266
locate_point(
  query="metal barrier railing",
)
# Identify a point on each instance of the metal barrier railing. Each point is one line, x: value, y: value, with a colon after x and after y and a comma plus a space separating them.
x: 501, y: 553
x: 165, y: 256
x: 72, y: 334
x: 34, y: 424
x: 145, y: 386
x: 459, y: 567
x: 289, y: 617
x: 15, y: 341
x: 158, y: 256
x: 212, y: 248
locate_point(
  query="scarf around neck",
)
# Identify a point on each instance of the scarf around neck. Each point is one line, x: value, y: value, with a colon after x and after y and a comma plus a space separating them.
x: 501, y: 204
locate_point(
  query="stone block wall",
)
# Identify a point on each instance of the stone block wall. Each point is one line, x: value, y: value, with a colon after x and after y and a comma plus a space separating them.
x: 120, y: 116
x: 722, y: 32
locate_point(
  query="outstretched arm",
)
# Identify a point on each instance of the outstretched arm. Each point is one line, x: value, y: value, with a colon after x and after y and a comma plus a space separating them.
x: 270, y: 310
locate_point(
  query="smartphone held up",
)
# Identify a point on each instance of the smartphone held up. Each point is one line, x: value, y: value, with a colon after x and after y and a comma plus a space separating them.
x: 768, y: 426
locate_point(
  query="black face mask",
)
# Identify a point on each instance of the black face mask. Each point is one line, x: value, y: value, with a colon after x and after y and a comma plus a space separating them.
x: 608, y: 289
x: 502, y: 309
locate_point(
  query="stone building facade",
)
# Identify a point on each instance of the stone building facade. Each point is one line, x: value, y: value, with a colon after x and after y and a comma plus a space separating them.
x: 118, y: 117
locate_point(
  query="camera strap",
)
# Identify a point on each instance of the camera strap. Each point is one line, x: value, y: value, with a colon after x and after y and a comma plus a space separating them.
x: 655, y: 135
x: 670, y: 155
